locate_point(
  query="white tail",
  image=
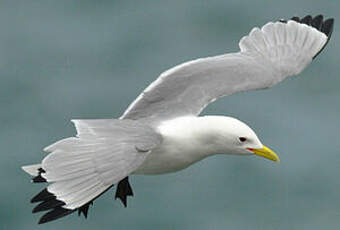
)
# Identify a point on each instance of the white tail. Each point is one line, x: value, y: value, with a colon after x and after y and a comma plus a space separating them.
x: 81, y: 168
x: 33, y: 170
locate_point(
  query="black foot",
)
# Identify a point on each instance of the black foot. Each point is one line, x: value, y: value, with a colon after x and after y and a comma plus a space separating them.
x: 124, y: 190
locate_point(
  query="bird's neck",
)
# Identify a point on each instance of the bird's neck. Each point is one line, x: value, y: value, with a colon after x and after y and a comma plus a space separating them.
x: 198, y: 135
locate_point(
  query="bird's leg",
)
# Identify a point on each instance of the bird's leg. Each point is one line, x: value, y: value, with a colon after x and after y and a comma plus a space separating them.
x: 124, y: 190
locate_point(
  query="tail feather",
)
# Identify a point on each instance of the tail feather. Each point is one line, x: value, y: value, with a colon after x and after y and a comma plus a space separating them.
x: 33, y: 170
x: 88, y: 193
x: 80, y: 169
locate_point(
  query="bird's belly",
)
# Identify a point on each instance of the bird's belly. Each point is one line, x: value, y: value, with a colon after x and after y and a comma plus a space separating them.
x: 163, y: 161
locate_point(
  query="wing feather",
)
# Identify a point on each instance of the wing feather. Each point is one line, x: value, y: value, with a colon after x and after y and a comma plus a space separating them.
x: 81, y: 168
x: 267, y: 56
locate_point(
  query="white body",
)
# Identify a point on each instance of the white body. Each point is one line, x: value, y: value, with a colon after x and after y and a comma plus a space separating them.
x: 187, y: 140
x: 161, y: 132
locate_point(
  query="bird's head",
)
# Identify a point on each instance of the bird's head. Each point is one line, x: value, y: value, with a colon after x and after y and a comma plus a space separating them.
x: 231, y: 136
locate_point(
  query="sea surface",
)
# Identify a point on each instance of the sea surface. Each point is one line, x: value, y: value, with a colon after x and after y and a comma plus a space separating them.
x: 72, y: 59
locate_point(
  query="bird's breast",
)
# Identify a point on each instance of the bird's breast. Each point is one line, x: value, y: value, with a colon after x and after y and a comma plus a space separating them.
x: 182, y: 146
x: 172, y: 155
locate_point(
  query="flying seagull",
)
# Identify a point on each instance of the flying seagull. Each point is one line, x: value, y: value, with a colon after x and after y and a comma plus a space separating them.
x: 162, y: 132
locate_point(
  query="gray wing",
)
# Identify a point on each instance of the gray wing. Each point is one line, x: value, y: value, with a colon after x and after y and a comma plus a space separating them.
x: 103, y: 153
x: 267, y: 56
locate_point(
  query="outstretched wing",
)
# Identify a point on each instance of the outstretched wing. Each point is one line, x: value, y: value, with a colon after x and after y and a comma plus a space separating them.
x: 81, y: 168
x: 267, y: 56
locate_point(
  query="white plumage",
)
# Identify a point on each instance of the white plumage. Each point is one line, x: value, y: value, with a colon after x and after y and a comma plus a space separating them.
x: 161, y: 132
x: 104, y: 152
x: 267, y: 56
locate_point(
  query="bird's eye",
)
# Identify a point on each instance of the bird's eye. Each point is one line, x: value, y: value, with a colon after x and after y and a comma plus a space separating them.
x: 242, y: 139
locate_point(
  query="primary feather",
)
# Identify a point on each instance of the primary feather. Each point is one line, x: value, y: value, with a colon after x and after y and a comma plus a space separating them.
x: 267, y: 56
x: 81, y: 168
x: 106, y: 152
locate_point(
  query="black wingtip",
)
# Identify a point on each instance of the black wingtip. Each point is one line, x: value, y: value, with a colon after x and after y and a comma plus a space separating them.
x: 307, y: 20
x: 39, y: 178
x: 327, y: 29
x: 84, y: 209
x: 42, y: 196
x: 49, y: 202
x: 47, y: 205
x: 317, y: 22
x: 324, y: 26
x: 55, y: 214
x: 295, y: 18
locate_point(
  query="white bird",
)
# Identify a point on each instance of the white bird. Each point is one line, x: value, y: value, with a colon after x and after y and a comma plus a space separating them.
x: 161, y: 131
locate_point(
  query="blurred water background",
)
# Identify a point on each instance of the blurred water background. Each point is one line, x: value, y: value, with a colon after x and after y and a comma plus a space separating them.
x: 69, y: 59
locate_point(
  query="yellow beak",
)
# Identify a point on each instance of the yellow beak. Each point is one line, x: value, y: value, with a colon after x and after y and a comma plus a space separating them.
x: 266, y: 153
